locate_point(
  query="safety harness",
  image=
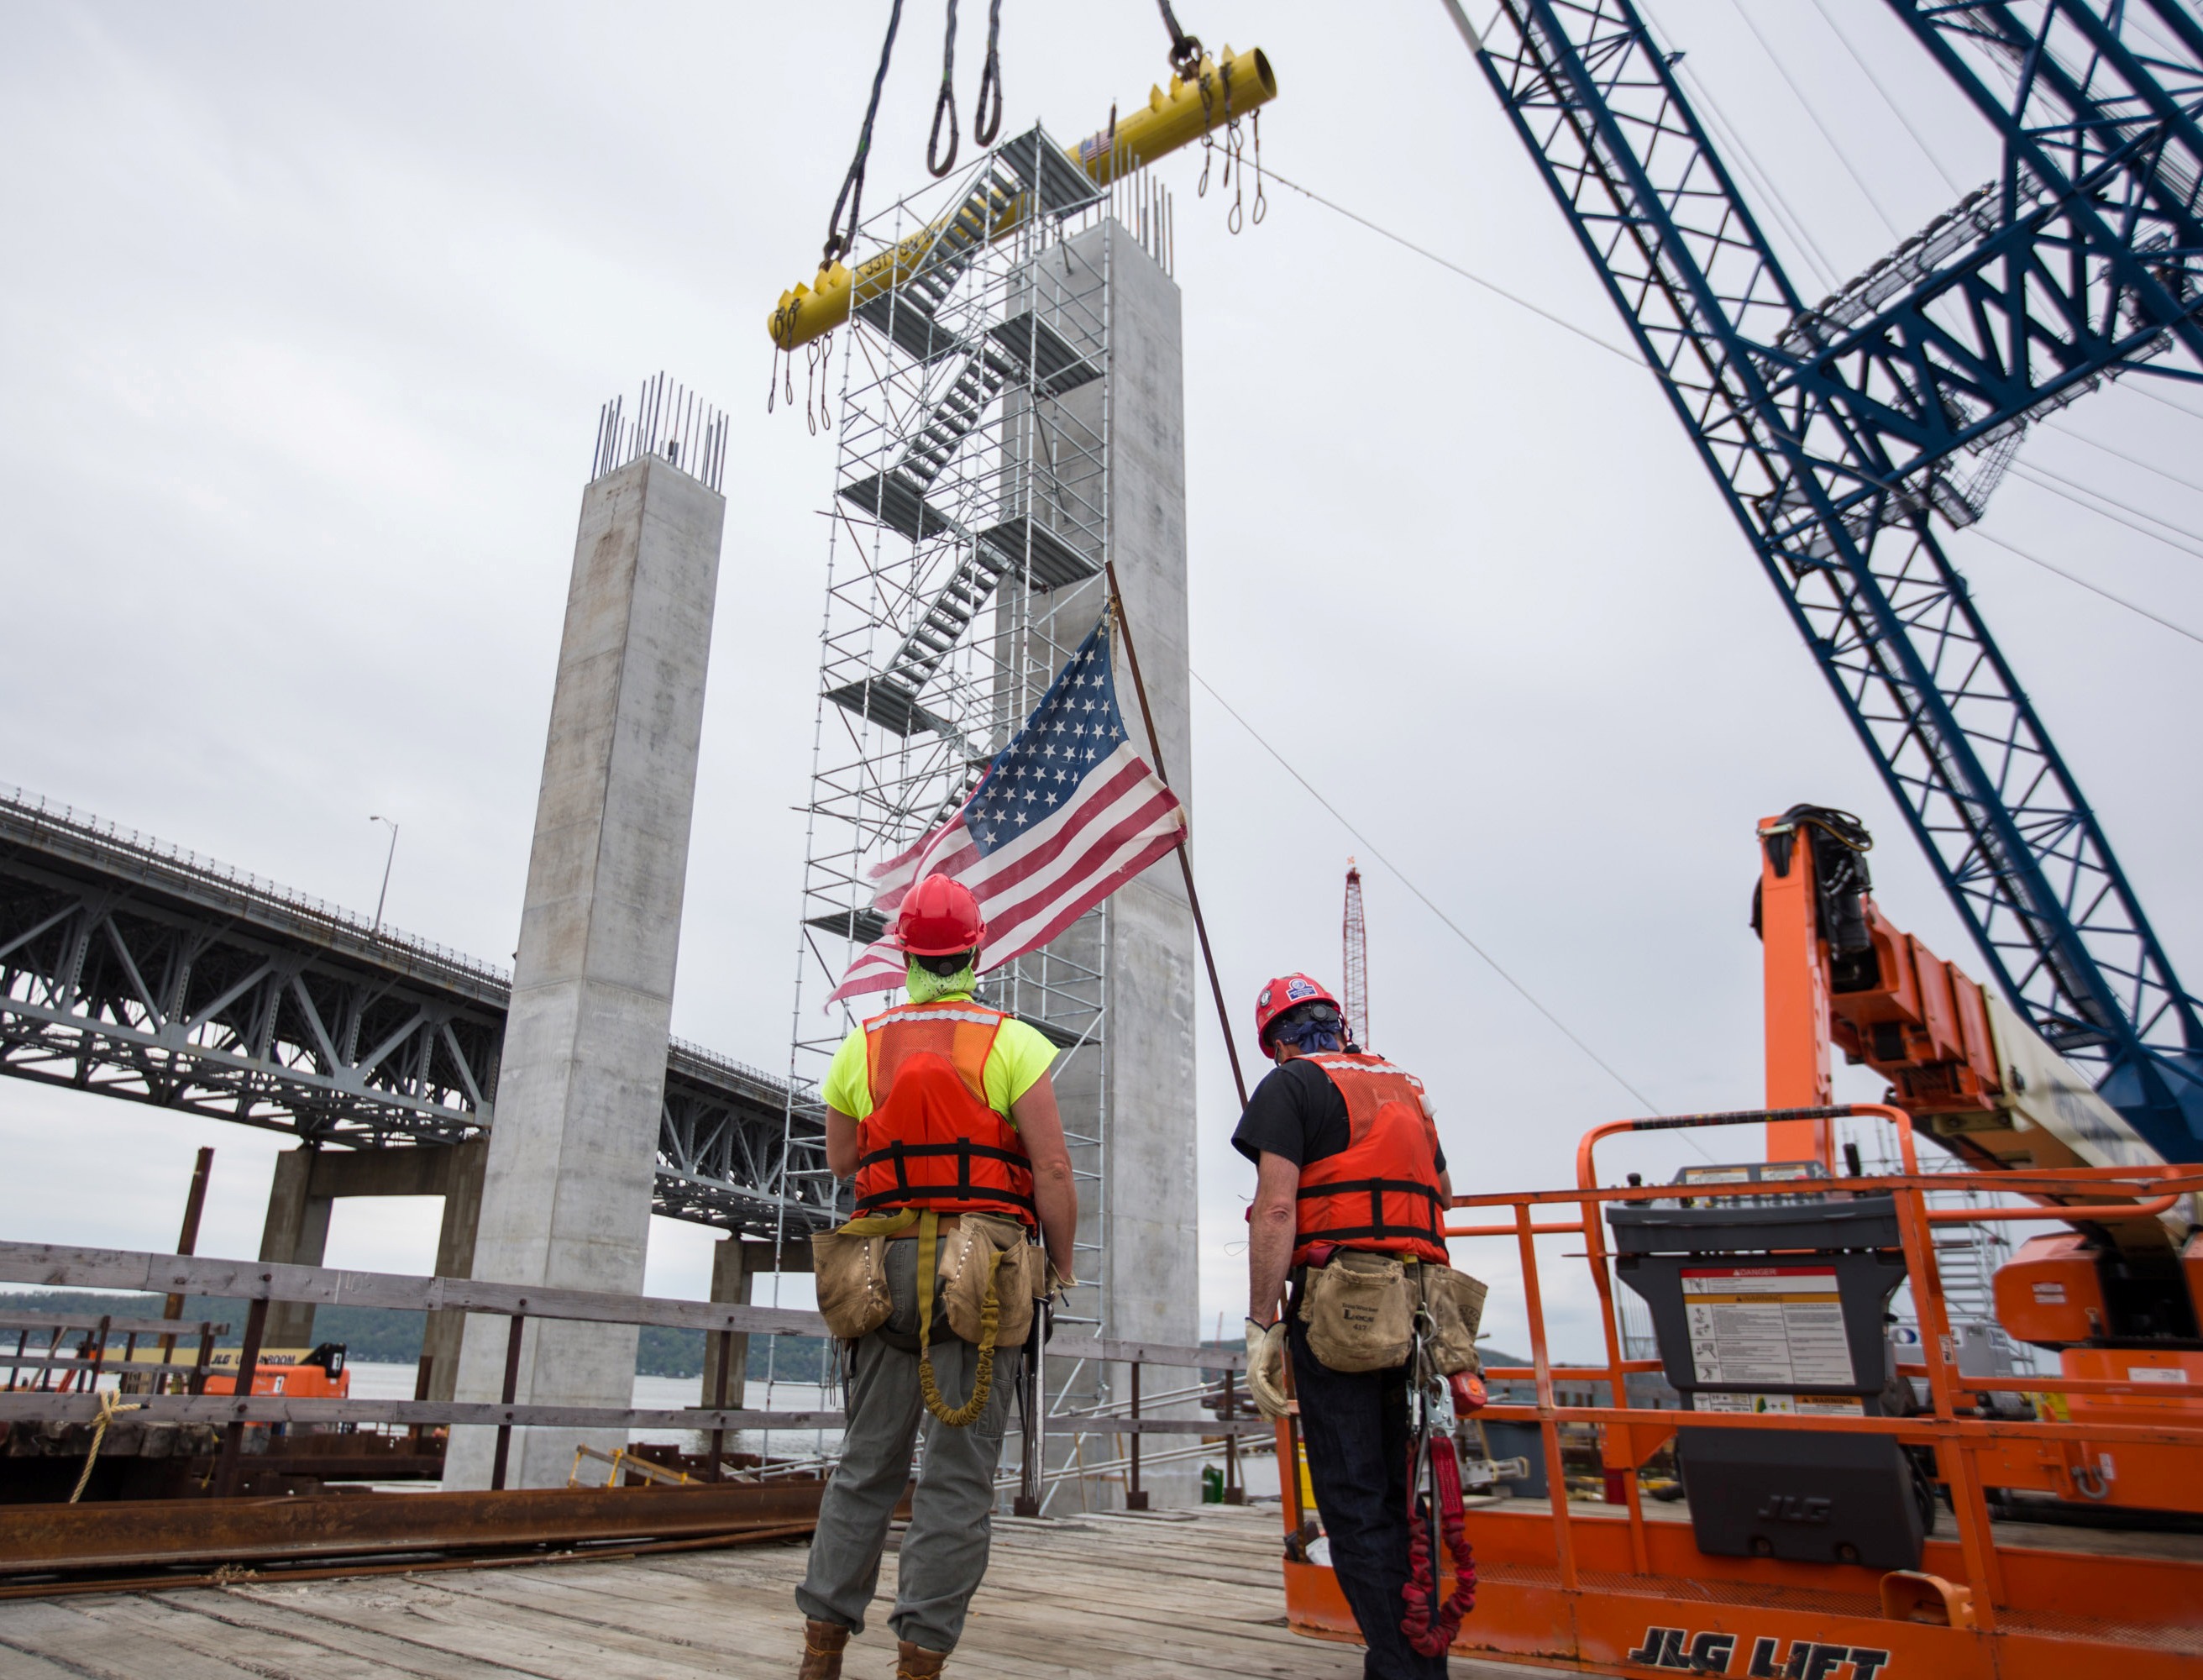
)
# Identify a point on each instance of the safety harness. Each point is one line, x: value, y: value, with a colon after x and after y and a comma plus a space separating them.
x: 1434, y: 1506
x: 991, y: 1310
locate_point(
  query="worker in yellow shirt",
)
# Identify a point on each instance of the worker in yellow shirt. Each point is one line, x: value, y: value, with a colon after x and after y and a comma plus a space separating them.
x: 942, y: 1111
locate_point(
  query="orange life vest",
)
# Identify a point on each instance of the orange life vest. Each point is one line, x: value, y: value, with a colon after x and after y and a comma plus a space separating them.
x: 931, y: 1140
x: 1381, y: 1191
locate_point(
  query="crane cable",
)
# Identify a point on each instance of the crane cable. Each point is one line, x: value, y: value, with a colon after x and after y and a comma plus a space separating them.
x: 1184, y: 53
x: 841, y: 236
x: 1429, y: 903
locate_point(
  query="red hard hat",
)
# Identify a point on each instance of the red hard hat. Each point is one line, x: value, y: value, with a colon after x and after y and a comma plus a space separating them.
x: 1287, y: 991
x: 939, y: 918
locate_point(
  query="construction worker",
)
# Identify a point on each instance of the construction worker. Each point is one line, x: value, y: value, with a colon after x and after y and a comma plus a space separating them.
x: 1346, y: 1156
x: 942, y: 1106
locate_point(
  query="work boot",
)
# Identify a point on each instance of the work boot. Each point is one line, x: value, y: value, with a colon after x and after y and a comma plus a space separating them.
x: 822, y: 1650
x: 915, y: 1662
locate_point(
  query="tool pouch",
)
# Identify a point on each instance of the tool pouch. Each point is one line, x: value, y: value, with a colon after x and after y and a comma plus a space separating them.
x: 851, y: 1267
x: 1360, y: 1311
x: 968, y: 1269
x: 1455, y: 1301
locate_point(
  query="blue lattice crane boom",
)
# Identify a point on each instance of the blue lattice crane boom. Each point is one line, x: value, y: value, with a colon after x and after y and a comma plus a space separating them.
x: 1835, y: 430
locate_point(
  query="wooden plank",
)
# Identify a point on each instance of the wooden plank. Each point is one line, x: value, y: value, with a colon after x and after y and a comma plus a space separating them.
x: 1159, y: 1426
x: 30, y: 1404
x: 59, y: 1266
x: 196, y: 1623
x: 301, y: 1615
x: 1148, y: 1353
x: 596, y: 1609
x: 111, y: 1363
x: 115, y: 1327
x: 68, y: 1634
x: 1092, y: 1599
x: 430, y: 1617
x: 23, y: 1663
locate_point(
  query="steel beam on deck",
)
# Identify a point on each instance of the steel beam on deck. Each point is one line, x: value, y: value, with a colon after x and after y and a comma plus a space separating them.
x: 135, y: 1533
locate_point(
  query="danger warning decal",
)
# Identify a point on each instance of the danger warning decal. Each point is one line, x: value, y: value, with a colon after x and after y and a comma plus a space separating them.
x: 1766, y: 1659
x: 1778, y: 1326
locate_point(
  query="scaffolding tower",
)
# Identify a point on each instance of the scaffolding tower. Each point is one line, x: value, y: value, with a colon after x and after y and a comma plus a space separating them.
x: 967, y: 534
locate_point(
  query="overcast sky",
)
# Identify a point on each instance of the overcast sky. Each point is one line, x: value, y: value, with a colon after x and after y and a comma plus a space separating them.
x: 305, y: 314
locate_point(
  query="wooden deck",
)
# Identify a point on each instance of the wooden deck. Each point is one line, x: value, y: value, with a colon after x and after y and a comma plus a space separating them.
x: 1171, y: 1596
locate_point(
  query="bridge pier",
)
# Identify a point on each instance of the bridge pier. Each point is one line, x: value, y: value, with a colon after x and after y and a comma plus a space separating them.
x: 566, y: 1194
x: 736, y: 1264
x: 307, y: 1186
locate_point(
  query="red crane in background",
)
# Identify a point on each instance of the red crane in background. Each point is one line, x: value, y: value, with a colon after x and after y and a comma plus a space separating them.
x: 1356, y: 939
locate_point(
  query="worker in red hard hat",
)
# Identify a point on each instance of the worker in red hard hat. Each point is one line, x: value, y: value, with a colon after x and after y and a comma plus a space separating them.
x: 1347, y: 1159
x: 941, y: 1110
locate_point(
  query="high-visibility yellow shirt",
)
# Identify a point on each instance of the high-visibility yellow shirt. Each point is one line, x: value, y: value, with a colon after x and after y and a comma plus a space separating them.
x: 1019, y: 1056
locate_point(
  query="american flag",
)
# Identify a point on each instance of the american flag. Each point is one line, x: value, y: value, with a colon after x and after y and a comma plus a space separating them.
x: 1066, y: 814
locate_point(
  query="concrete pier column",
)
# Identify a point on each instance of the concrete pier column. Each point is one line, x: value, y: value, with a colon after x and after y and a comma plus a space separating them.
x: 1150, y: 1246
x: 455, y: 1258
x: 566, y: 1199
x: 736, y: 1264
x: 295, y: 1233
x: 1137, y: 1096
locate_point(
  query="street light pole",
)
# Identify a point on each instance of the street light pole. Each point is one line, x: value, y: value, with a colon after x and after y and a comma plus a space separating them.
x: 389, y: 857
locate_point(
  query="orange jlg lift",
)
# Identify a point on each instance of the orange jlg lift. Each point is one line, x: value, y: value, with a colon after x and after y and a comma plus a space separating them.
x: 1794, y: 1588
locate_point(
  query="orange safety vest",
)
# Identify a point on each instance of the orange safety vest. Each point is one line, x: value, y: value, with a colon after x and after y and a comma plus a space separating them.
x: 931, y: 1140
x: 1381, y: 1191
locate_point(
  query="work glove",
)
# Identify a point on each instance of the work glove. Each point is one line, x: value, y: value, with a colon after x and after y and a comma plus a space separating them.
x: 1266, y: 1367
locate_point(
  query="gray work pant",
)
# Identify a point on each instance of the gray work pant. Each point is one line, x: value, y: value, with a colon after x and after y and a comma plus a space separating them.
x: 944, y: 1550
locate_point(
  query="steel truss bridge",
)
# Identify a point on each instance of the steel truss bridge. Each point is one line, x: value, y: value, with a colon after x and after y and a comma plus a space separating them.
x: 134, y: 969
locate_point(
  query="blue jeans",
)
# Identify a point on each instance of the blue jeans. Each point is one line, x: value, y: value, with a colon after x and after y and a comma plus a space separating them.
x: 1355, y: 1425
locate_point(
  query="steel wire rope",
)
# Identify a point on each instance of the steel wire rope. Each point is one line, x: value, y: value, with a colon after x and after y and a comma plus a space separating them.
x: 2119, y: 502
x: 1474, y: 278
x: 2093, y: 589
x: 1738, y: 151
x: 1895, y: 110
x: 1814, y: 116
x: 2026, y: 473
x: 2164, y: 401
x: 1429, y: 903
x: 1724, y: 129
x: 2131, y: 460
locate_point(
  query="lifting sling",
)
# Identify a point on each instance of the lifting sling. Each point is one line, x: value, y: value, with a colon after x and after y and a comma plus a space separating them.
x: 1434, y: 1508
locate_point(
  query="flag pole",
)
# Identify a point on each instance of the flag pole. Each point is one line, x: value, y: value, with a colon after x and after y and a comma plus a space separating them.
x: 1184, y: 858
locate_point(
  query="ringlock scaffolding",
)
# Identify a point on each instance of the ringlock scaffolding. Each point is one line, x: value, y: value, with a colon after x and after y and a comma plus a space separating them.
x: 968, y: 529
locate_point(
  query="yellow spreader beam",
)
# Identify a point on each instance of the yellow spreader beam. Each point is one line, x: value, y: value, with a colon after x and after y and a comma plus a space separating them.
x: 1172, y: 117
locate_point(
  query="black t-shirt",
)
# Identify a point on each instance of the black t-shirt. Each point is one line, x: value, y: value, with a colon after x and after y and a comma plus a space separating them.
x: 1298, y: 1113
